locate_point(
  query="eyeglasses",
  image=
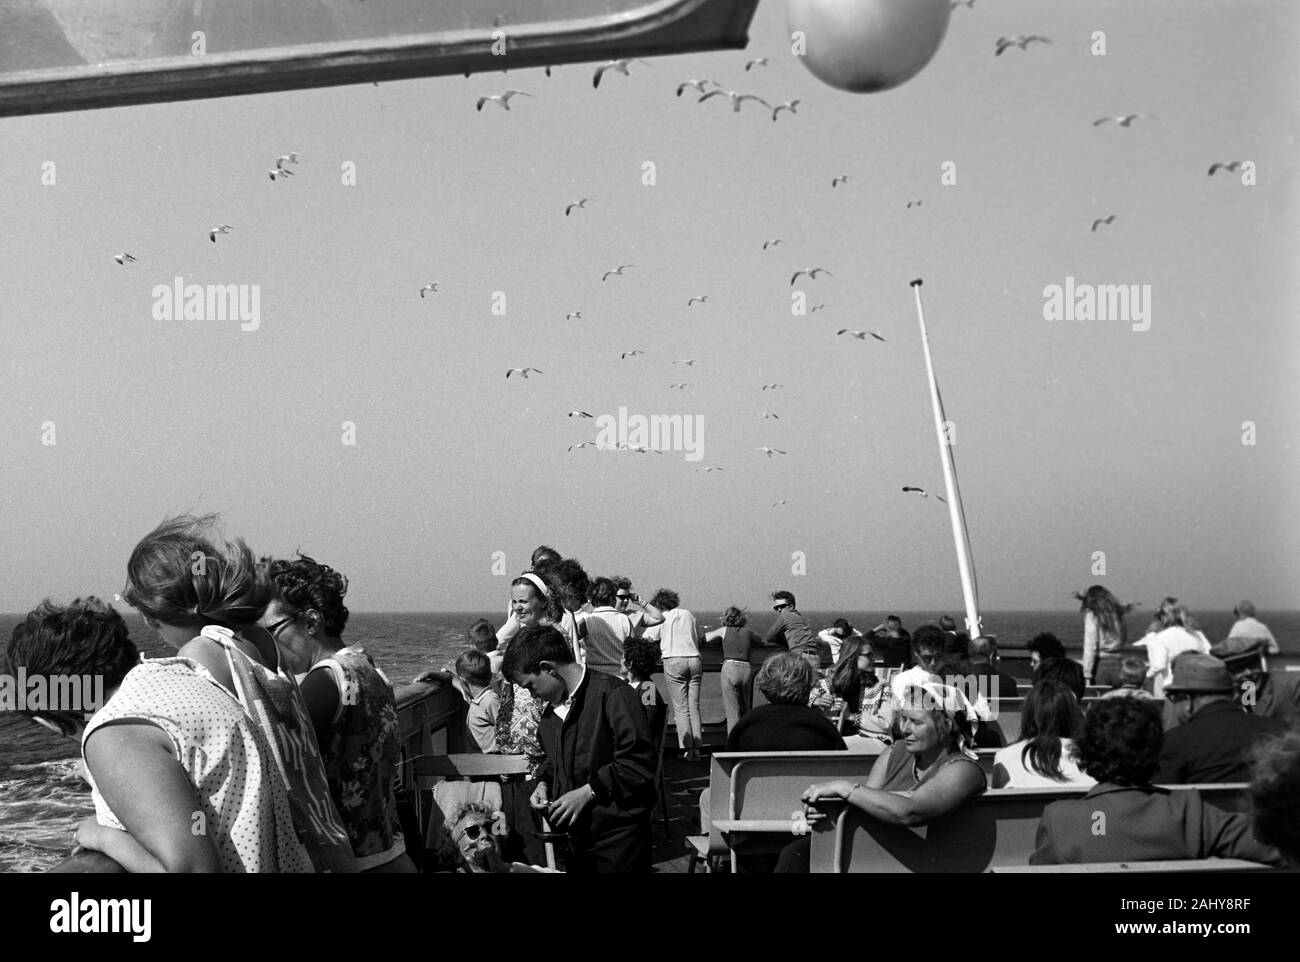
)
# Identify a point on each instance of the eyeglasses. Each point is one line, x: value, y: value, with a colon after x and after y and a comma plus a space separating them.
x: 624, y: 597
x: 780, y: 606
x: 471, y: 831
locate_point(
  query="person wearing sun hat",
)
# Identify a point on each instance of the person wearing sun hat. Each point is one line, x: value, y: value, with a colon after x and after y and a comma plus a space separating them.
x: 1214, y: 736
x: 1273, y: 695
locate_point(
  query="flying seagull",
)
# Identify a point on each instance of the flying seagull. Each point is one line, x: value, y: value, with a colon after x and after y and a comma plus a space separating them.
x: 815, y: 308
x: 582, y: 204
x: 860, y: 335
x: 617, y: 270
x: 626, y: 354
x: 640, y: 449
x: 777, y: 504
x: 1102, y: 220
x: 618, y: 66
x: 279, y: 172
x: 812, y: 273
x: 573, y: 316
x: 772, y: 386
x: 219, y: 229
x: 769, y: 451
x: 703, y: 300
x: 790, y: 105
x: 523, y: 371
x: 736, y: 98
x: 584, y: 444
x: 290, y: 158
x: 708, y: 469
x: 923, y: 493
x: 913, y: 203
x: 123, y: 257
x: 690, y: 362
x: 678, y: 387
x: 1019, y: 40
x: 577, y: 414
x: 502, y: 99
x: 769, y: 416
x: 428, y: 288
x: 1231, y: 165
x: 841, y: 179
x: 697, y: 84
x: 772, y: 243
x: 757, y: 62
x: 1125, y: 121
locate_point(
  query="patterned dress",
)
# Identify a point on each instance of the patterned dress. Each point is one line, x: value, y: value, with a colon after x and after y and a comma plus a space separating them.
x: 517, y: 723
x: 361, y: 756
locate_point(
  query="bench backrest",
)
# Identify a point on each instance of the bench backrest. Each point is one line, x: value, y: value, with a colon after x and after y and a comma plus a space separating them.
x: 998, y: 828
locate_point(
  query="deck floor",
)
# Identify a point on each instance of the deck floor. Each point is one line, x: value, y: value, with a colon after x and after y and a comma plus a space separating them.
x: 685, y: 780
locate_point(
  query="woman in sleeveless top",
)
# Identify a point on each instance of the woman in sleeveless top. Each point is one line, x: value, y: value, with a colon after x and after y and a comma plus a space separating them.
x: 181, y: 778
x: 351, y: 705
x: 927, y: 773
x: 203, y: 596
x: 737, y: 675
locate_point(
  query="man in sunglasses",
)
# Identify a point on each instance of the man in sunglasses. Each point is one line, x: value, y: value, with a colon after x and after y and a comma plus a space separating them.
x: 629, y: 603
x: 791, y: 630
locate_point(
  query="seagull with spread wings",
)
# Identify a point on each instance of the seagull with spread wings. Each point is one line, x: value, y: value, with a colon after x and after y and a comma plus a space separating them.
x: 698, y: 85
x: 736, y: 98
x: 502, y: 100
x: 290, y: 158
x: 772, y: 387
x: 524, y: 371
x: 703, y: 299
x: 1019, y: 40
x: 583, y: 444
x: 219, y: 229
x: 790, y: 105
x: 860, y: 335
x: 616, y: 271
x: 689, y: 362
x: 577, y: 414
x: 626, y: 354
x: 1125, y: 121
x: 579, y: 204
x: 757, y: 62
x: 430, y: 288
x: 923, y: 493
x: 775, y: 241
x: 1233, y: 166
x: 841, y: 179
x: 123, y: 257
x: 573, y: 316
x: 811, y: 272
x: 769, y: 451
x: 277, y: 172
x: 618, y: 66
x: 1102, y: 220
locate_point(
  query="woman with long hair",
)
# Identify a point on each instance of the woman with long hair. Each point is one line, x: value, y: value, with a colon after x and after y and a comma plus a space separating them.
x: 204, y: 596
x: 1172, y: 632
x: 1104, y: 634
x: 1043, y: 758
x: 737, y: 675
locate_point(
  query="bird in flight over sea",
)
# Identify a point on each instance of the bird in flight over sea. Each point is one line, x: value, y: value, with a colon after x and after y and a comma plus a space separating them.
x: 584, y: 444
x: 502, y: 99
x: 775, y: 241
x: 618, y: 66
x: 1125, y: 121
x: 577, y: 414
x: 617, y: 270
x: 860, y: 335
x: 913, y: 203
x: 640, y: 449
x: 678, y: 387
x: 123, y: 257
x: 757, y: 62
x: 429, y: 288
x: 523, y: 371
x: 815, y: 308
x: 704, y: 299
x: 276, y: 172
x: 573, y: 316
x: 769, y: 416
x: 708, y: 469
x: 689, y: 362
x: 1019, y: 40
x: 923, y: 493
x: 580, y: 204
x: 290, y: 158
x: 1102, y: 220
x: 697, y: 84
x: 790, y: 105
x: 769, y: 451
x: 1231, y: 165
x: 736, y: 98
x: 812, y: 273
x: 777, y: 504
x: 626, y: 354
x: 772, y: 386
x: 841, y: 179
x: 219, y: 229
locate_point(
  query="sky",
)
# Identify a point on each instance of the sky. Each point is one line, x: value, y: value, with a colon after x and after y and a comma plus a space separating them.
x: 1072, y: 437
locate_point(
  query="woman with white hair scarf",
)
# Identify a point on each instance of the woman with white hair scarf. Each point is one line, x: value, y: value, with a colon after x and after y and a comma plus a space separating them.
x: 927, y: 773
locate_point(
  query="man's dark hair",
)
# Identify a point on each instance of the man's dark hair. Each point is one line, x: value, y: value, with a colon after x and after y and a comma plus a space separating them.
x: 957, y: 644
x: 947, y: 623
x: 544, y: 551
x: 929, y: 636
x: 571, y: 579
x: 1121, y: 741
x: 601, y: 592
x: 785, y: 596
x: 642, y: 657
x: 86, y: 638
x: 531, y: 647
x: 1275, y: 792
x: 1065, y: 670
x: 1047, y: 645
x: 482, y: 635
x: 665, y: 599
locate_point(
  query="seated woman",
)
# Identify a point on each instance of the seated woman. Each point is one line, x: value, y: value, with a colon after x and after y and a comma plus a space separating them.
x: 1042, y: 758
x: 855, y: 693
x: 203, y: 595
x: 351, y: 705
x: 640, y: 658
x: 785, y: 723
x: 181, y: 777
x: 1124, y: 817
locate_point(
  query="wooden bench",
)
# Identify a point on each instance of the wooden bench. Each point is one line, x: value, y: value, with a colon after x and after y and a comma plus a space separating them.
x: 993, y: 830
x: 1182, y: 865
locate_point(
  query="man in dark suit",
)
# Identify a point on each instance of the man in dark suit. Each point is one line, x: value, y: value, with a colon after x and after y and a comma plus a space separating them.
x: 1273, y: 695
x: 1214, y: 735
x: 598, y: 779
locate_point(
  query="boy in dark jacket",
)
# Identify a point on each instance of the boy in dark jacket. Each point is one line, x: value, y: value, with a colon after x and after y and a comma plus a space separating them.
x: 598, y: 780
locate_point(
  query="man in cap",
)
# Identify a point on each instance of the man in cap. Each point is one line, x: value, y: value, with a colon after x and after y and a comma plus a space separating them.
x: 1273, y: 695
x: 1214, y: 736
x: 1247, y: 626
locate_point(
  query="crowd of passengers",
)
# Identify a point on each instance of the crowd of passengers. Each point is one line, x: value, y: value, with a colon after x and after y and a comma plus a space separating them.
x: 267, y: 743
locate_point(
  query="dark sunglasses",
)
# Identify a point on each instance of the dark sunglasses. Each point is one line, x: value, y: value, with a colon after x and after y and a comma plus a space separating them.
x: 624, y: 597
x: 780, y: 606
x: 472, y: 831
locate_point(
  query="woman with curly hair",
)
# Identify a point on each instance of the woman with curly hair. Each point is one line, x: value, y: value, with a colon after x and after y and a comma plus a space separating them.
x: 1104, y: 634
x: 1124, y: 817
x: 737, y: 673
x: 640, y: 660
x: 1275, y: 793
x: 351, y: 704
x: 204, y: 595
